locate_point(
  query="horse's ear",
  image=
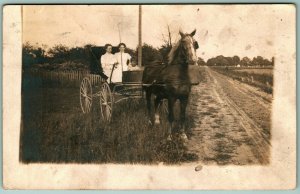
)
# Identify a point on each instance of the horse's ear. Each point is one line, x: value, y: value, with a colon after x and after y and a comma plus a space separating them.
x: 181, y: 33
x: 193, y: 33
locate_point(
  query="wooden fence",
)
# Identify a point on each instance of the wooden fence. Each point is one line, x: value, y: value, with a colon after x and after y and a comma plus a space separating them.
x: 62, y: 77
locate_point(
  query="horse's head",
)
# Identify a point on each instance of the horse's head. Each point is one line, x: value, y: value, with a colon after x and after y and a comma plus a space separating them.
x: 190, y: 46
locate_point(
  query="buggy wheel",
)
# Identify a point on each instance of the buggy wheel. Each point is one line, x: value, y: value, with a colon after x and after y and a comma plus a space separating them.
x: 86, y: 95
x: 106, y: 102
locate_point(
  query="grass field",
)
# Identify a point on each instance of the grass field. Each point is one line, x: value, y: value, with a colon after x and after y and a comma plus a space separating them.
x: 268, y: 72
x: 55, y: 130
x: 259, y: 77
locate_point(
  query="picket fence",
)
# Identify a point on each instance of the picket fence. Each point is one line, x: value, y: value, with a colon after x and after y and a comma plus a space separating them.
x: 65, y: 76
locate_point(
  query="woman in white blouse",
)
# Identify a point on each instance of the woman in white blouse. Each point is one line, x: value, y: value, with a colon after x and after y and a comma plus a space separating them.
x: 108, y: 60
x: 124, y: 61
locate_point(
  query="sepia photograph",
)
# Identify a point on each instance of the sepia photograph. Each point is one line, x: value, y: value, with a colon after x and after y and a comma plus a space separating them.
x: 169, y: 87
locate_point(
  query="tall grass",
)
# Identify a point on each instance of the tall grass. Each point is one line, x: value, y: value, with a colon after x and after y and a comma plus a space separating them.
x: 55, y: 130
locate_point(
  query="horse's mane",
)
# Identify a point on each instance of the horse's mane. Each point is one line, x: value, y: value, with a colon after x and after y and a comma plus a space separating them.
x: 173, y: 52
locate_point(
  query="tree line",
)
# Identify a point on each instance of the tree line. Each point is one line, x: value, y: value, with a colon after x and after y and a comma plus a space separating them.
x: 77, y: 58
x: 88, y: 56
x: 236, y: 61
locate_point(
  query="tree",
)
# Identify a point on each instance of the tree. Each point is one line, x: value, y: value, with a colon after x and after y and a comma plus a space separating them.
x: 266, y: 62
x: 211, y: 62
x: 229, y: 61
x: 166, y: 46
x: 201, y: 62
x: 254, y: 62
x: 150, y: 54
x: 260, y: 61
x: 273, y: 61
x: 59, y: 51
x: 245, y: 61
x: 133, y: 54
x: 167, y: 38
x: 221, y: 61
x: 164, y: 51
x: 32, y: 55
x: 236, y: 60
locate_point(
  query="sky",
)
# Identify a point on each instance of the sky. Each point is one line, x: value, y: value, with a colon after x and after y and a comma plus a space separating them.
x: 243, y: 30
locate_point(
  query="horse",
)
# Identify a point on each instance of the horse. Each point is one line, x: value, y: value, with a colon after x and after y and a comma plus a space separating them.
x: 171, y: 81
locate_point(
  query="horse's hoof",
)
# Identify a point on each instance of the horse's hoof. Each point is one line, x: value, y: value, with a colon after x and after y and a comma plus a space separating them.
x: 183, y: 136
x: 169, y: 138
x: 157, y: 122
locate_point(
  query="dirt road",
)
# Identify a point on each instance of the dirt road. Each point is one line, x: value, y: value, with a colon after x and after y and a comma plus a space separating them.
x: 231, y: 121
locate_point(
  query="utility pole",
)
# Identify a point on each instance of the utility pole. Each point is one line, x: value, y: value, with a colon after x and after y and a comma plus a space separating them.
x: 120, y: 38
x: 140, y: 37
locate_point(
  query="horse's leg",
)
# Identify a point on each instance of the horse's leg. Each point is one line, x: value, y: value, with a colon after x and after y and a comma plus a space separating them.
x: 148, y: 99
x: 157, y: 103
x: 183, y: 105
x: 171, y: 102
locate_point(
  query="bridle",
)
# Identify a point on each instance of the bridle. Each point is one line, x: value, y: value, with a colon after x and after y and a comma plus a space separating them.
x: 194, y: 43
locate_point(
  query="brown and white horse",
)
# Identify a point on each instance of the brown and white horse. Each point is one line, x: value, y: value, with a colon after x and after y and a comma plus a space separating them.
x: 172, y: 81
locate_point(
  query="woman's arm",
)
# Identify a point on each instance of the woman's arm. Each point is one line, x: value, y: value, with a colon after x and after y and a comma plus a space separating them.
x: 102, y: 60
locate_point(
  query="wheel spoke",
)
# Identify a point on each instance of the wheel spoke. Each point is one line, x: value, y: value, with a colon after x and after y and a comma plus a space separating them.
x: 101, y: 110
x: 89, y: 97
x: 86, y: 104
x: 108, y: 107
x: 107, y: 113
x: 82, y: 88
x: 83, y: 94
x: 104, y: 95
x: 86, y: 95
x: 102, y: 100
x: 89, y: 102
x: 105, y: 102
x: 86, y: 107
x: 85, y: 89
x: 82, y: 83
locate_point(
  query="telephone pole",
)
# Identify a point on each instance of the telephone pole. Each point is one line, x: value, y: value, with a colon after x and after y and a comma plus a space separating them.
x: 140, y: 37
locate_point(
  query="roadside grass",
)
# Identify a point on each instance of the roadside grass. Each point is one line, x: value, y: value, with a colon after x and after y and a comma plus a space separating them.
x: 261, y: 78
x: 55, y: 130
